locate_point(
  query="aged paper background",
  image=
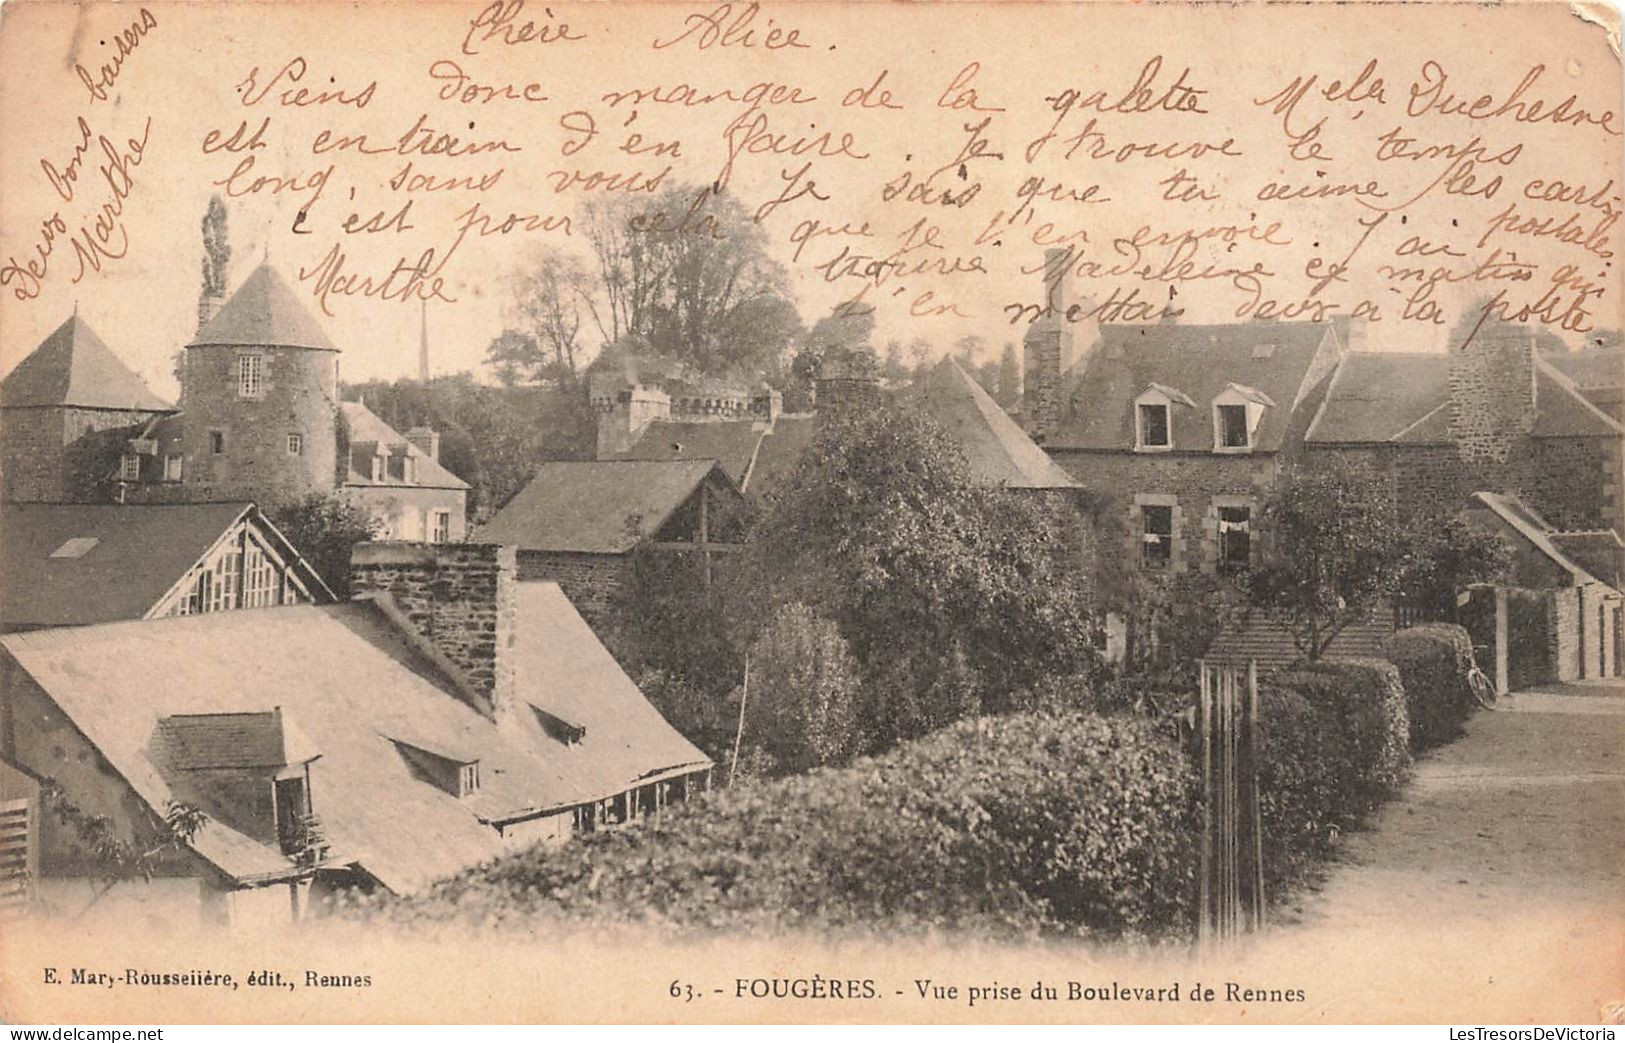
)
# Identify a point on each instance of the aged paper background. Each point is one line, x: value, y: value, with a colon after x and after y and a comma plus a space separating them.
x: 1232, y: 161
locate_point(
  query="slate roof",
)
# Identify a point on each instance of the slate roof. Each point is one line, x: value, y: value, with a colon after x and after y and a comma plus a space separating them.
x: 265, y: 311
x: 779, y: 453
x: 140, y: 552
x: 1591, y: 367
x: 597, y: 506
x: 732, y: 443
x: 999, y: 452
x: 365, y: 428
x: 1534, y: 529
x: 74, y: 367
x: 1405, y: 398
x: 1375, y: 396
x: 348, y: 676
x: 1197, y: 361
x: 234, y: 740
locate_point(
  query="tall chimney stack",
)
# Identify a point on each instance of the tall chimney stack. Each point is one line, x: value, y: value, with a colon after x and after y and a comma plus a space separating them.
x: 458, y: 601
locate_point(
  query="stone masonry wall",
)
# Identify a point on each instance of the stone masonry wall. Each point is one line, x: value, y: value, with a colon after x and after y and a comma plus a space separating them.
x: 1192, y: 480
x: 299, y: 396
x: 458, y: 596
x: 54, y: 455
x: 590, y: 581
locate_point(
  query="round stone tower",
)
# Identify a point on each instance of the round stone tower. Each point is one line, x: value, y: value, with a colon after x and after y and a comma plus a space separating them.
x: 259, y: 399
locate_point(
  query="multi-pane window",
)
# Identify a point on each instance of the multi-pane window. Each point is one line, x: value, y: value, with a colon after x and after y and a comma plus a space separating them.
x: 259, y: 577
x: 250, y: 370
x: 1235, y: 538
x: 1231, y: 422
x: 1153, y: 425
x: 130, y: 468
x: 1157, y: 539
x: 296, y: 445
x: 439, y: 526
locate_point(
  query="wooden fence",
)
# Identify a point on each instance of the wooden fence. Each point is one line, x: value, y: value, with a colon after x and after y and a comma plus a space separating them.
x: 1231, y: 889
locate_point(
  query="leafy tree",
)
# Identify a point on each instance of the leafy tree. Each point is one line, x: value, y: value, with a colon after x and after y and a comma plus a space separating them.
x: 690, y: 273
x: 547, y: 296
x: 1335, y: 551
x: 1444, y: 555
x: 804, y: 692
x: 323, y: 529
x: 883, y: 531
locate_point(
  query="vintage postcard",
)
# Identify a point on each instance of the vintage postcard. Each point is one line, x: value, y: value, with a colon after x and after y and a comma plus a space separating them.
x: 811, y: 512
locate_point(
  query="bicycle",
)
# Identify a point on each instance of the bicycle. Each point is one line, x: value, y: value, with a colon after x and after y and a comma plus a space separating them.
x: 1482, y: 687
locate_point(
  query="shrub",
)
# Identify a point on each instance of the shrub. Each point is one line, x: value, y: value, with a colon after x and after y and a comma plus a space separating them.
x: 1300, y: 798
x: 1371, y: 754
x: 1433, y: 660
x: 805, y: 684
x: 1012, y: 826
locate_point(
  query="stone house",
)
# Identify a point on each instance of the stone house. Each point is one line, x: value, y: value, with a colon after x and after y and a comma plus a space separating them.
x: 1179, y: 431
x: 70, y: 564
x: 580, y: 523
x: 65, y: 410
x: 1503, y: 432
x: 449, y: 713
x: 399, y: 478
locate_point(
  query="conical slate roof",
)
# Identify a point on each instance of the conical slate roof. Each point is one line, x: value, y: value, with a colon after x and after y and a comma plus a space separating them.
x: 73, y: 367
x: 264, y: 310
x: 998, y: 451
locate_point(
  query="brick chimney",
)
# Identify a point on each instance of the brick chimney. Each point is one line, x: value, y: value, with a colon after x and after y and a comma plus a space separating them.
x: 456, y: 602
x: 427, y: 439
x: 1492, y: 390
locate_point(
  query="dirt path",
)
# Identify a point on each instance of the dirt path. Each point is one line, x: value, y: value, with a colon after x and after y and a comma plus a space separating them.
x: 1496, y: 881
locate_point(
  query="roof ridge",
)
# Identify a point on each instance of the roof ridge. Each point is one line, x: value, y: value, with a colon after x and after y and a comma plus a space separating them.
x: 1568, y: 385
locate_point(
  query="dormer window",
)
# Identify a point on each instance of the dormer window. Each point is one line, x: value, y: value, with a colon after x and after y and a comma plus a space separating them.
x: 377, y: 468
x: 1237, y: 411
x: 1153, y: 417
x: 454, y: 771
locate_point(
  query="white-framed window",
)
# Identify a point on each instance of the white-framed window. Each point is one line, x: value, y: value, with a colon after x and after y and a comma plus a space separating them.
x: 1237, y: 411
x: 378, y: 468
x: 439, y: 526
x: 296, y: 445
x: 250, y: 373
x: 174, y: 467
x: 130, y: 468
x: 469, y: 778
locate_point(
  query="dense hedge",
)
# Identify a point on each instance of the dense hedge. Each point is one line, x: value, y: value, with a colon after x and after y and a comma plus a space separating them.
x: 1367, y: 702
x: 1433, y: 661
x: 1024, y: 825
x: 1333, y: 741
x: 1298, y: 783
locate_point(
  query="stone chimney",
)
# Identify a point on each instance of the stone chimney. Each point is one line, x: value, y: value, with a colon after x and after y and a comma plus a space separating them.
x: 208, y: 305
x: 1056, y: 342
x: 456, y: 603
x: 1492, y: 390
x: 623, y: 416
x: 427, y: 439
x: 846, y: 379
